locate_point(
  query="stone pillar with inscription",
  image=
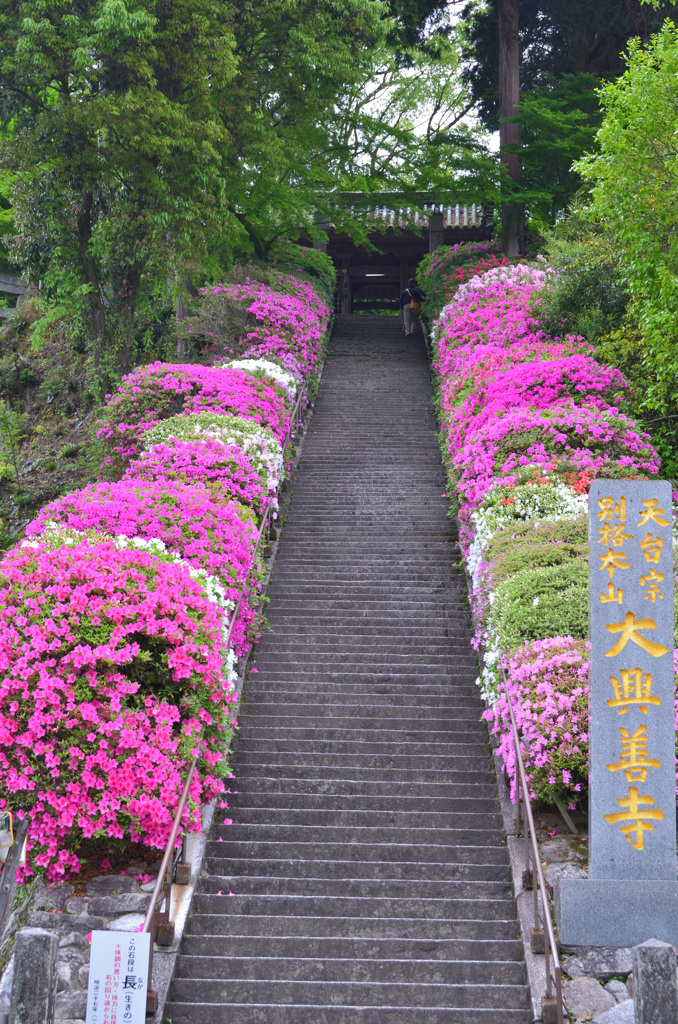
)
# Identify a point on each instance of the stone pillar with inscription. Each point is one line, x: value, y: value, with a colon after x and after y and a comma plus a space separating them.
x: 631, y: 894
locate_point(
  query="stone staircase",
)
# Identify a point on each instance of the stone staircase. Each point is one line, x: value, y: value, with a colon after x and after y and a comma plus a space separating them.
x: 365, y: 879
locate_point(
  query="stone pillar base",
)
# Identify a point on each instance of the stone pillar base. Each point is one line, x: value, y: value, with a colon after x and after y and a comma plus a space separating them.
x: 616, y: 912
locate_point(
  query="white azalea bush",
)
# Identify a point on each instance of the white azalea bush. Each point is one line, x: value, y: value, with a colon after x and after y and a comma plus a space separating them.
x: 258, y: 442
x: 267, y: 370
x: 506, y: 505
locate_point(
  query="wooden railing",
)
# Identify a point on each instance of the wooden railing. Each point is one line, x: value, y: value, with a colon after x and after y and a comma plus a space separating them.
x: 174, y: 868
x: 542, y: 937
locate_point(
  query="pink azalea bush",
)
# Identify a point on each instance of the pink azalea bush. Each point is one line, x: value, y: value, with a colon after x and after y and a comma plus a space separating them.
x: 547, y: 682
x: 111, y: 663
x: 116, y: 611
x: 548, y: 685
x: 290, y: 324
x: 160, y: 390
x: 228, y: 471
x: 527, y: 422
x: 218, y: 537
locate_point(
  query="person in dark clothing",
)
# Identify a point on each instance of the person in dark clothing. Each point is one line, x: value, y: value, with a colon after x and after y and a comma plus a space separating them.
x: 412, y: 294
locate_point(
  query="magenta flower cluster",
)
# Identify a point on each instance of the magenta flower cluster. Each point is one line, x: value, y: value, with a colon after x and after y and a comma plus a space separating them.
x: 218, y: 537
x: 528, y: 421
x: 289, y: 325
x: 160, y: 390
x: 513, y: 397
x: 548, y: 684
x: 111, y: 665
x: 116, y: 609
x: 228, y: 470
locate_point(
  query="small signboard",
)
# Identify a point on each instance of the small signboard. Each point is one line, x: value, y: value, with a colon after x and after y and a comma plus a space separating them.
x: 118, y: 978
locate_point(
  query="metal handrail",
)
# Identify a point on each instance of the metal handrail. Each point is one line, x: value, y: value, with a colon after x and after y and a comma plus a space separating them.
x: 157, y: 924
x: 543, y: 938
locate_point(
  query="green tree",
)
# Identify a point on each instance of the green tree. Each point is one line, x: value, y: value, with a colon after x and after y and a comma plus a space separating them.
x: 634, y: 183
x: 296, y: 60
x: 564, y: 48
x: 116, y: 153
x: 158, y: 137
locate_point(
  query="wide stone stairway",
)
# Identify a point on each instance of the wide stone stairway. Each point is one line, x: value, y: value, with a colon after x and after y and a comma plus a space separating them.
x: 365, y: 877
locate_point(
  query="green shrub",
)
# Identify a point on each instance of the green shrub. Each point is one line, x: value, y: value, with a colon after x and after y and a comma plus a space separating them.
x: 539, y: 603
x: 536, y: 544
x: 589, y: 296
x: 312, y: 264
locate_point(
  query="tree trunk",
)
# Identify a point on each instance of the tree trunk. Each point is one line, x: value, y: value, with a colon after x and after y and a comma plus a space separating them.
x: 91, y: 275
x: 125, y: 299
x: 512, y: 214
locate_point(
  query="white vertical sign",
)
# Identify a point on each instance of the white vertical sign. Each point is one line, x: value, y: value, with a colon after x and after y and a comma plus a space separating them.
x: 118, y: 978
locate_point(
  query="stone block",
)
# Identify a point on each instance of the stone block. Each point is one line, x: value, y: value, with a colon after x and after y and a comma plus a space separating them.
x: 54, y: 899
x: 35, y: 977
x: 6, y: 985
x: 125, y: 903
x: 64, y: 976
x: 554, y: 872
x: 110, y: 885
x: 606, y: 962
x: 66, y: 923
x: 74, y: 956
x: 73, y: 939
x: 83, y: 976
x: 610, y: 912
x: 586, y: 995
x: 617, y: 989
x: 622, y: 1013
x: 556, y: 850
x: 70, y: 1005
x: 655, y: 983
x: 127, y: 923
x: 77, y: 905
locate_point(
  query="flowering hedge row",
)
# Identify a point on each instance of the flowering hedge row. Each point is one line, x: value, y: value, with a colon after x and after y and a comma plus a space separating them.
x: 116, y: 609
x: 528, y: 421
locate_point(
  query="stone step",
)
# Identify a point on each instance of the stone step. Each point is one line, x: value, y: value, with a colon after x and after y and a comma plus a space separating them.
x: 485, y: 907
x: 478, y: 849
x: 253, y: 992
x: 349, y: 791
x: 359, y: 773
x: 312, y: 716
x: 320, y: 927
x: 345, y: 744
x: 380, y: 696
x: 399, y: 675
x: 495, y: 868
x: 383, y: 888
x: 400, y: 950
x: 321, y: 729
x: 332, y: 761
x: 432, y: 972
x: 336, y: 818
x: 226, y: 1013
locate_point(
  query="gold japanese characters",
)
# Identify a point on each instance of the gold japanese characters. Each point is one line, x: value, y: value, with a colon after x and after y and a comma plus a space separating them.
x: 632, y: 687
